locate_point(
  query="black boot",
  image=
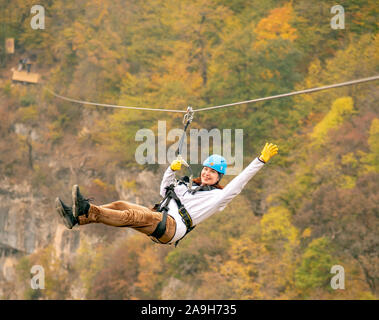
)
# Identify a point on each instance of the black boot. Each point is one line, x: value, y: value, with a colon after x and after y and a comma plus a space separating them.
x: 80, y: 205
x: 65, y: 213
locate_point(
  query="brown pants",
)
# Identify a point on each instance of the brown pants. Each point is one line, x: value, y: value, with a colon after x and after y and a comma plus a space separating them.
x: 126, y: 214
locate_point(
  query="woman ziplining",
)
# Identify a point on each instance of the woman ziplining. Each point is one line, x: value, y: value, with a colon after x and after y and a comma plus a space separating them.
x: 183, y: 207
x: 186, y: 202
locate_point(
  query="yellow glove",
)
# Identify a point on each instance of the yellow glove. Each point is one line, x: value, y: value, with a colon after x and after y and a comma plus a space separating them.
x: 176, y: 165
x: 268, y: 151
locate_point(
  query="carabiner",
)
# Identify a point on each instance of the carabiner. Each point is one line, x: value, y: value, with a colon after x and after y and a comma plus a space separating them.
x: 188, y: 117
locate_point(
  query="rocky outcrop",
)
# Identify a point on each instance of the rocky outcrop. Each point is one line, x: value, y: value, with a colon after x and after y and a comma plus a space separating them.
x: 25, y: 221
x: 28, y: 221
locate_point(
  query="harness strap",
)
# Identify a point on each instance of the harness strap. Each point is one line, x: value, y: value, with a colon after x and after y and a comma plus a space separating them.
x: 186, y: 218
x: 161, y: 227
x: 182, y: 211
x: 163, y: 207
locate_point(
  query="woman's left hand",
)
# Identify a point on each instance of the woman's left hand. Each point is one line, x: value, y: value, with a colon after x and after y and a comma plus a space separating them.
x: 268, y: 152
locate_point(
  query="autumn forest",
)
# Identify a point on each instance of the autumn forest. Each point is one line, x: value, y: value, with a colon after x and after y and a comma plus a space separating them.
x: 314, y: 206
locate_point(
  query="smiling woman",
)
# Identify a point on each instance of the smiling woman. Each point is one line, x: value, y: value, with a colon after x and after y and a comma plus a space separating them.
x: 183, y: 205
x: 209, y: 176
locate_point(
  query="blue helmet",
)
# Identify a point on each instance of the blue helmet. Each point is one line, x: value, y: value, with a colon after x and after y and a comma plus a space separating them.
x: 216, y: 162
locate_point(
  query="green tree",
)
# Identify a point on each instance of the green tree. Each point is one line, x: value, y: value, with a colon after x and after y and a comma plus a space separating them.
x: 314, y: 270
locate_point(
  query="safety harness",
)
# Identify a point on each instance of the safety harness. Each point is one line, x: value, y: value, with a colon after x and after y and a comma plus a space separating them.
x: 163, y: 207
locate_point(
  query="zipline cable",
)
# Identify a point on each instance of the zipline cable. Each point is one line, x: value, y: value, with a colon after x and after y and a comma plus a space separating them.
x: 342, y: 84
x: 110, y: 105
x: 348, y: 83
x: 188, y: 117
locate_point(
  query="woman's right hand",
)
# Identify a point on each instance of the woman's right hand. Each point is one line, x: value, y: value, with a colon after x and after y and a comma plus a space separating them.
x: 176, y: 165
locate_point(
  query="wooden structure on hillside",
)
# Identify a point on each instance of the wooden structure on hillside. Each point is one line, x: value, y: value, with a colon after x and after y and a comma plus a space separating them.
x: 9, y: 45
x: 25, y: 77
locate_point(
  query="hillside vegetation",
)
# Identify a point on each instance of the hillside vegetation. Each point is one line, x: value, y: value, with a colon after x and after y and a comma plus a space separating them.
x: 315, y: 205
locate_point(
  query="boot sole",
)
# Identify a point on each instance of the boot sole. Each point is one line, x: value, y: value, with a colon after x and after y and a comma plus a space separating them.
x: 75, y: 209
x: 62, y: 214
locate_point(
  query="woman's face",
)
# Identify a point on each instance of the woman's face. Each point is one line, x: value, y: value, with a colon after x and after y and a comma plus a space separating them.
x: 209, y: 176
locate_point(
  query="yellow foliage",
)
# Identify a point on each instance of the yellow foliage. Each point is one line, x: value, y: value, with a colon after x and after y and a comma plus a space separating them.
x: 242, y: 269
x: 29, y: 113
x: 349, y: 159
x: 363, y: 51
x: 267, y: 74
x: 132, y: 185
x: 371, y: 159
x: 347, y: 182
x: 276, y: 226
x: 306, y: 233
x: 341, y: 108
x: 100, y: 183
x: 276, y: 25
x: 177, y: 84
x: 103, y: 185
x: 281, y: 240
x: 88, y: 262
x: 374, y: 134
x: 261, y: 263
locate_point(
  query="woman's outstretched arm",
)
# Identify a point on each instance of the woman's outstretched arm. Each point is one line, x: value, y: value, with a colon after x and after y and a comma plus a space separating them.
x: 234, y: 187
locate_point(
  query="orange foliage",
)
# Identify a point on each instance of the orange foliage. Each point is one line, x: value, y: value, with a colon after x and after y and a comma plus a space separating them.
x: 276, y: 25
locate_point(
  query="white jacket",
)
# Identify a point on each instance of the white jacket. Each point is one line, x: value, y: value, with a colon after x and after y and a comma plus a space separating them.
x: 203, y: 204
